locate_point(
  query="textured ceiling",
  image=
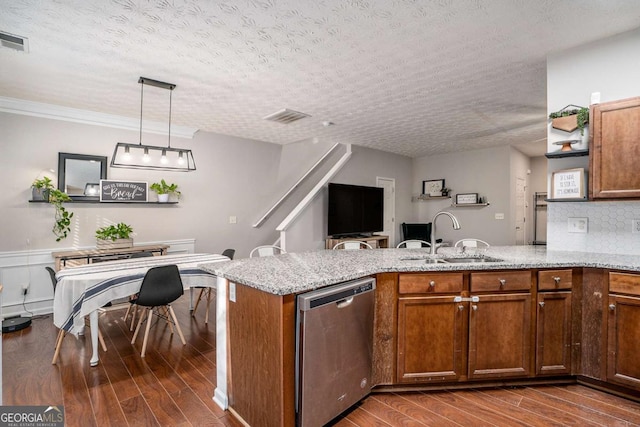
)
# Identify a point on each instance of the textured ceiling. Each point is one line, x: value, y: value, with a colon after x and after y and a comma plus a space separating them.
x: 406, y: 76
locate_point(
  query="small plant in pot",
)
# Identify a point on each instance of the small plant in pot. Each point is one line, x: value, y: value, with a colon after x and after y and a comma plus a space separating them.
x: 114, y: 236
x: 40, y: 188
x: 164, y: 190
x: 569, y: 119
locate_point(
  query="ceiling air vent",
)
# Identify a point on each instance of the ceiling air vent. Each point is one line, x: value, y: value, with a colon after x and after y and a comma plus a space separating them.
x: 286, y: 116
x: 14, y: 42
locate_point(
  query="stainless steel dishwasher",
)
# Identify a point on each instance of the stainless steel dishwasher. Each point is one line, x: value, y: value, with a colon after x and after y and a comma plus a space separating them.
x: 334, y: 345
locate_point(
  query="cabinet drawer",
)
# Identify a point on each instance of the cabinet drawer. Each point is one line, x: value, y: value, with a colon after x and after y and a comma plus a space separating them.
x: 624, y: 283
x: 551, y: 280
x: 430, y: 283
x: 502, y: 281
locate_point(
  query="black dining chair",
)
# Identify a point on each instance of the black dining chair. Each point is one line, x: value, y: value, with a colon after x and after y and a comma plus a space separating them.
x: 160, y: 287
x: 131, y: 310
x: 206, y: 291
x: 62, y: 332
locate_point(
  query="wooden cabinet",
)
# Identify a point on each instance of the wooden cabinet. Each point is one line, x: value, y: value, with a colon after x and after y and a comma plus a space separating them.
x: 454, y: 336
x: 623, y: 357
x: 554, y: 323
x: 431, y: 329
x: 615, y: 148
x: 500, y: 334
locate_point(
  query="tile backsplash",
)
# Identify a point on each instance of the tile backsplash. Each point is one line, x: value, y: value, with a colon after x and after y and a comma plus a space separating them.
x: 609, y: 227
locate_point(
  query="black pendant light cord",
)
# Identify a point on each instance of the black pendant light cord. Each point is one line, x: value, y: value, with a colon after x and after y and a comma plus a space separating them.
x: 141, y: 96
x: 170, y: 100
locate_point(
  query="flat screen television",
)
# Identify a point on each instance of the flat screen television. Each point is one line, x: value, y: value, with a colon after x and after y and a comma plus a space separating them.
x: 354, y: 210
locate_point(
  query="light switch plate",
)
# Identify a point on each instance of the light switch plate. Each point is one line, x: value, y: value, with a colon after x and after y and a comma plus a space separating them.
x: 499, y: 216
x: 577, y: 225
x: 233, y: 219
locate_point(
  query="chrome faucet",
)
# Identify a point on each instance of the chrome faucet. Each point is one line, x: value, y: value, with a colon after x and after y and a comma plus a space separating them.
x: 456, y: 226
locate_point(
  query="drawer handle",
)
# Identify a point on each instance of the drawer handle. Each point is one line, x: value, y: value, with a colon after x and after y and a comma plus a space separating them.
x: 541, y: 304
x: 474, y: 307
x: 460, y: 307
x: 612, y: 307
x: 503, y: 282
x: 432, y: 283
x: 557, y: 280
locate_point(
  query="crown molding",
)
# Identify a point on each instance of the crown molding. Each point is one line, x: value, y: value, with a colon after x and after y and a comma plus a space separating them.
x: 56, y: 112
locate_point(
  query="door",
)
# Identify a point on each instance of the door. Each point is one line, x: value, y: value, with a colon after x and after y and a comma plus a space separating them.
x: 389, y: 186
x: 431, y: 339
x: 623, y: 358
x: 553, y: 347
x: 500, y: 336
x: 520, y: 210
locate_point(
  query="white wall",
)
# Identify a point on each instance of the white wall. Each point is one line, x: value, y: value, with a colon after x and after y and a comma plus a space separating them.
x: 610, y: 66
x: 486, y: 172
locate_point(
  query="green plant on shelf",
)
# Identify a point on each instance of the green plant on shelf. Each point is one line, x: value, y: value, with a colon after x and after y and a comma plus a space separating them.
x: 114, y: 232
x: 62, y: 225
x: 582, y: 116
x: 163, y: 188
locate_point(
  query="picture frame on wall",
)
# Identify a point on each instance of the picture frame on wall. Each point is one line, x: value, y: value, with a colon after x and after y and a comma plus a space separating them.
x: 467, y: 199
x: 568, y: 184
x: 433, y: 187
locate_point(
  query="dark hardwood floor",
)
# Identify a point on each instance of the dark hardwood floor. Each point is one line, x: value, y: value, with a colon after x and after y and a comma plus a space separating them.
x: 173, y: 386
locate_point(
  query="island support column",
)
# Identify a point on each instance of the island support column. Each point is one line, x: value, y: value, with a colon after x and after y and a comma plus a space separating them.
x: 220, y: 395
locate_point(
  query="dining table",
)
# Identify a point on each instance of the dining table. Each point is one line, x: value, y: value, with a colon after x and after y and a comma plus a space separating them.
x: 85, y: 289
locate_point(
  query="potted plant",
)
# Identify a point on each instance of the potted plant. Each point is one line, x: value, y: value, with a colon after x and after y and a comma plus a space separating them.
x: 164, y: 190
x: 40, y: 188
x: 62, y: 226
x: 569, y: 119
x: 114, y: 236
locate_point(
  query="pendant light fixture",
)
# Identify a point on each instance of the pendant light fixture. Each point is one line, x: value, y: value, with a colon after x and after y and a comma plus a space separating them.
x: 138, y: 156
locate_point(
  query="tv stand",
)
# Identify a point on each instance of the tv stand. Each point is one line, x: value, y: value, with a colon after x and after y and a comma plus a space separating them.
x: 377, y: 242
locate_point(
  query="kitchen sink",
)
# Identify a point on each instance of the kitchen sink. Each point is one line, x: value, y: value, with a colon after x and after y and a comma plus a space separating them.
x: 467, y: 260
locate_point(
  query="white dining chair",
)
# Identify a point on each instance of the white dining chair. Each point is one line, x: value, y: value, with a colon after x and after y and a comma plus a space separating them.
x: 352, y: 245
x: 474, y: 244
x: 413, y: 244
x: 266, y: 250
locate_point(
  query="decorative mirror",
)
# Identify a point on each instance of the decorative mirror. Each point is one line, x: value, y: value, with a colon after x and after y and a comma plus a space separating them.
x: 79, y: 175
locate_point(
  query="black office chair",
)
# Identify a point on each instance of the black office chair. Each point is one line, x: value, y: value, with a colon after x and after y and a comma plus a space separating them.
x: 206, y: 291
x: 131, y: 309
x: 62, y: 332
x: 160, y: 287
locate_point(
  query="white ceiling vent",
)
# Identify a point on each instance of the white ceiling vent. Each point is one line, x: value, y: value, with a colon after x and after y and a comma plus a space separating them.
x: 14, y: 42
x: 286, y: 116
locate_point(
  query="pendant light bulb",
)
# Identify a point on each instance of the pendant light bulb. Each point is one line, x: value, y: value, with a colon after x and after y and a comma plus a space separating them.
x: 180, y: 158
x: 163, y: 159
x: 127, y: 154
x: 145, y: 157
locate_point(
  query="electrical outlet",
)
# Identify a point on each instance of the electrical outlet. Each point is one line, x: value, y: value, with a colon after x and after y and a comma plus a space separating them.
x: 577, y: 225
x: 635, y: 226
x: 233, y: 219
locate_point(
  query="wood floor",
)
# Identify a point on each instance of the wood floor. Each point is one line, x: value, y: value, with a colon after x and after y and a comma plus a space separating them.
x: 173, y: 386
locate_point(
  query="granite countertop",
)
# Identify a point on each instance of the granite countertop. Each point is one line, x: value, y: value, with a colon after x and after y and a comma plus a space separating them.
x: 294, y: 273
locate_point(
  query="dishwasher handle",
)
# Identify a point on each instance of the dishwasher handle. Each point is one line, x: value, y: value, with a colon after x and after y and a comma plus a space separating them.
x: 345, y: 302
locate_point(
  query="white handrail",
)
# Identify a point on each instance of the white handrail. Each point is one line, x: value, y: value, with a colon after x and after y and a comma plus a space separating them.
x: 279, y: 202
x: 309, y: 197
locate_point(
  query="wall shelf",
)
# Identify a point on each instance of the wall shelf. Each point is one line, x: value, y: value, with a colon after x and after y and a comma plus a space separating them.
x: 582, y: 199
x: 469, y: 205
x: 109, y: 203
x: 425, y: 197
x: 563, y: 154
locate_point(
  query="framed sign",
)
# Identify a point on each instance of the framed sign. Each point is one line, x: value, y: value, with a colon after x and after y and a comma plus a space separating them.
x: 433, y: 187
x: 466, y: 199
x: 123, y: 191
x: 568, y: 184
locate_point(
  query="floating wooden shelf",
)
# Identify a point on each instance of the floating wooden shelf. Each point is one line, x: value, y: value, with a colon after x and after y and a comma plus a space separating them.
x: 582, y: 199
x: 425, y: 197
x: 109, y: 203
x: 572, y: 153
x: 469, y: 205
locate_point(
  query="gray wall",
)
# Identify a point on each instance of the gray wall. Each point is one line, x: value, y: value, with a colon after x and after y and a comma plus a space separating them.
x: 487, y: 172
x: 611, y: 67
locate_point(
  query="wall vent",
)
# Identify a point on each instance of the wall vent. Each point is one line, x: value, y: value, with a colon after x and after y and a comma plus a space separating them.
x: 14, y: 42
x: 286, y: 116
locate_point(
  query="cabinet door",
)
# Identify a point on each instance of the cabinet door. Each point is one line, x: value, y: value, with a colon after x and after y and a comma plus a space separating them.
x: 431, y: 339
x: 553, y: 344
x: 500, y: 336
x: 615, y: 149
x: 623, y: 358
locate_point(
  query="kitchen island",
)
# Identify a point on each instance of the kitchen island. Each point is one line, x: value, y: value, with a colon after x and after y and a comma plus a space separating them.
x: 256, y: 318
